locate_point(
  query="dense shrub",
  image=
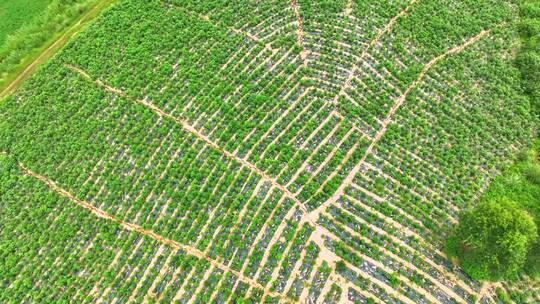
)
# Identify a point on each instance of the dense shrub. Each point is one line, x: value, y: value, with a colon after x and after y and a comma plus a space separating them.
x: 493, y: 239
x: 528, y: 60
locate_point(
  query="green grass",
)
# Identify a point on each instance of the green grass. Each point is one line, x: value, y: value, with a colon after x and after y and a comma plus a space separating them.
x: 190, y: 171
x: 26, y: 38
x: 521, y: 184
x: 16, y: 13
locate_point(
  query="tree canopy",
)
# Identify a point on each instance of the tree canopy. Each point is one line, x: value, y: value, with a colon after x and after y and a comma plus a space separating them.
x: 492, y: 240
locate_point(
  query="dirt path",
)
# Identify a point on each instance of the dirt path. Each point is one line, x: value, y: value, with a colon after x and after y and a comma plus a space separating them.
x: 96, y: 287
x: 332, y: 258
x: 218, y: 208
x: 278, y: 121
x: 319, y: 128
x: 147, y: 271
x: 275, y: 273
x: 195, y: 132
x: 424, y: 71
x: 326, y: 288
x: 309, y: 281
x: 349, y: 154
x: 53, y: 48
x: 424, y: 198
x: 262, y: 232
x: 250, y: 71
x: 354, y: 126
x: 200, y: 287
x: 149, y: 233
x: 243, y: 212
x: 165, y: 268
x: 284, y: 131
x: 387, y: 28
x: 314, y: 215
x: 217, y: 289
x: 220, y: 25
x: 406, y: 265
x: 434, y: 193
x: 349, y: 8
x: 182, y: 289
x: 295, y: 271
x: 300, y: 32
x: 487, y: 290
x: 277, y: 237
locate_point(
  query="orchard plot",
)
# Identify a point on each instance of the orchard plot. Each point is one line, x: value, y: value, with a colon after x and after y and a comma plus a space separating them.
x: 270, y: 151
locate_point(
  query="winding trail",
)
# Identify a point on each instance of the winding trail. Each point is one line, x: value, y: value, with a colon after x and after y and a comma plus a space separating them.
x: 307, y: 217
x: 349, y: 8
x: 146, y: 232
x: 193, y: 131
x: 219, y: 25
x: 54, y: 47
x: 314, y: 215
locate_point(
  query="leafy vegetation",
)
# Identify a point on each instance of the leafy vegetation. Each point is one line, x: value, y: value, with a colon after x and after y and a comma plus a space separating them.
x: 268, y: 151
x: 29, y: 27
x: 521, y: 184
x: 48, y: 241
x: 14, y: 14
x: 493, y: 240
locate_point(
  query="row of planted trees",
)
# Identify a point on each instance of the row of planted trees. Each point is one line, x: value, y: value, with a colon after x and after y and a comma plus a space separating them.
x: 498, y: 239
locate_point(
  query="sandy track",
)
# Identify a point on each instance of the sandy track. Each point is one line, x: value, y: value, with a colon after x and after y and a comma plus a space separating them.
x: 54, y: 47
x: 192, y: 130
x: 146, y: 232
x: 220, y: 25
x: 314, y: 215
x: 387, y: 28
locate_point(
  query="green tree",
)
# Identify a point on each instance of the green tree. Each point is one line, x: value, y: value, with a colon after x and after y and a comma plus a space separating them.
x: 492, y: 240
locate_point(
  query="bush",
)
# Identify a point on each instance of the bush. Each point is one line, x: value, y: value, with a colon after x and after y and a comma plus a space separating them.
x: 492, y: 240
x: 532, y: 173
x: 528, y: 60
x: 503, y: 296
